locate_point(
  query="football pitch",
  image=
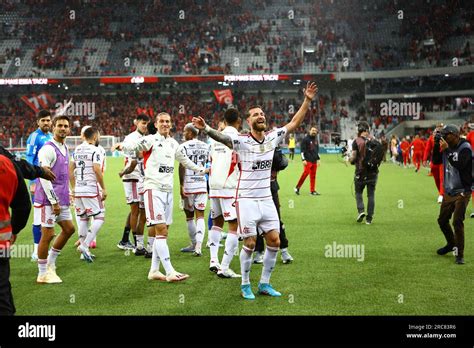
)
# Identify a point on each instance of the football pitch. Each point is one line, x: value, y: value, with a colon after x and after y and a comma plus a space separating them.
x: 395, y: 271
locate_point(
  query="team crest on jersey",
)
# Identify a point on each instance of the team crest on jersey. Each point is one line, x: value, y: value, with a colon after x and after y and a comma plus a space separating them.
x: 50, y: 221
x: 246, y: 230
x: 201, y: 205
x: 159, y: 217
x: 226, y: 214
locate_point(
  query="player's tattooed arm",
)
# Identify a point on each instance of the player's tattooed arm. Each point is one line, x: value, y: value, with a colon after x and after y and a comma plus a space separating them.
x: 200, y: 124
x: 129, y: 168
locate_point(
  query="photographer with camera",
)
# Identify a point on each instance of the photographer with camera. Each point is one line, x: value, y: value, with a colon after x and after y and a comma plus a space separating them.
x: 367, y: 153
x: 280, y: 162
x: 456, y: 156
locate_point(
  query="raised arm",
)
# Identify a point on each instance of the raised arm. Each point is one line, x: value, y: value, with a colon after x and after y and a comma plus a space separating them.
x: 200, y: 124
x: 129, y: 145
x: 309, y: 94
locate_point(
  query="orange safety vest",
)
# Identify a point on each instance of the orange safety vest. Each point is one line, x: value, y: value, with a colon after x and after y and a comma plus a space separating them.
x: 9, y: 181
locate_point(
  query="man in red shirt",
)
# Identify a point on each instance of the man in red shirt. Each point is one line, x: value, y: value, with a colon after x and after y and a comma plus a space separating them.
x: 405, y: 147
x: 470, y: 139
x: 418, y: 149
x: 436, y: 169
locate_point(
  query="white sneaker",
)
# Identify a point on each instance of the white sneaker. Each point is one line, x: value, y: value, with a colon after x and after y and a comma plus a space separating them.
x: 286, y: 257
x: 156, y: 275
x: 48, y: 278
x: 228, y: 274
x: 197, y: 252
x: 214, y: 266
x: 85, y: 253
x: 34, y: 257
x: 176, y: 277
x: 440, y: 199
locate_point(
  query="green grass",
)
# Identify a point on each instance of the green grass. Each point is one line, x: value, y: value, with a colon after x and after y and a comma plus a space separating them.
x: 400, y: 259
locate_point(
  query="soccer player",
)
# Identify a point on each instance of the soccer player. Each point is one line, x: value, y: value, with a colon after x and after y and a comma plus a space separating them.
x: 193, y: 188
x: 418, y: 149
x: 35, y: 142
x: 223, y: 179
x: 310, y: 157
x: 291, y: 146
x: 87, y: 184
x: 436, y: 169
x: 254, y: 204
x: 405, y: 147
x: 160, y: 151
x: 52, y: 202
x: 133, y: 176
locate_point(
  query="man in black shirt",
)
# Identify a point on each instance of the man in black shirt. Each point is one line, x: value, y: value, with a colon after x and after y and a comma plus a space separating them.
x: 363, y: 175
x: 310, y: 157
x: 457, y: 157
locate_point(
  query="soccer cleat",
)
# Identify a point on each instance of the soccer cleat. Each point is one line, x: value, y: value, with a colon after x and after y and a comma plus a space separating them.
x: 247, y: 292
x: 360, y: 217
x: 368, y: 221
x: 286, y: 257
x: 125, y: 246
x: 148, y: 252
x: 315, y: 193
x: 48, y: 278
x: 139, y: 251
x: 82, y: 257
x: 258, y: 258
x: 86, y: 253
x: 214, y: 266
x: 34, y: 257
x: 297, y: 191
x: 188, y: 249
x: 459, y: 260
x: 267, y: 289
x: 440, y: 199
x: 93, y: 244
x: 472, y: 215
x: 197, y: 252
x: 156, y: 275
x: 228, y: 274
x: 176, y: 277
x: 444, y: 250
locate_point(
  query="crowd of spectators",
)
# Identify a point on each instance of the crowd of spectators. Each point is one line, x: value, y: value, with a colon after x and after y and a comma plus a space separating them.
x: 196, y: 34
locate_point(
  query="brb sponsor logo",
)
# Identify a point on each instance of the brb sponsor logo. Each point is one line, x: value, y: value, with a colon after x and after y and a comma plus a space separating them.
x: 37, y: 331
x: 400, y: 109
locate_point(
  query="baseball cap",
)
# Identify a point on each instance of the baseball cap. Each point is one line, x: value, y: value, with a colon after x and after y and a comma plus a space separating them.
x: 449, y: 129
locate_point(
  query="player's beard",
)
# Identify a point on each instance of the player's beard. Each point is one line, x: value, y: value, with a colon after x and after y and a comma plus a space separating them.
x: 259, y: 127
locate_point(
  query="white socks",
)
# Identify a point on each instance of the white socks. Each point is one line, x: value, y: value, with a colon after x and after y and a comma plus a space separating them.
x: 140, y: 239
x: 192, y: 231
x: 160, y: 247
x: 155, y: 259
x: 231, y: 244
x: 52, y: 256
x: 95, y: 228
x: 214, y: 238
x: 245, y: 264
x: 200, y: 232
x: 269, y: 260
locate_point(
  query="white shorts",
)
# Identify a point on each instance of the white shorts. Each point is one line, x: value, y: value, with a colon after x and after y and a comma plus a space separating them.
x: 158, y: 207
x: 256, y: 215
x: 224, y: 207
x: 133, y: 192
x: 196, y: 201
x: 89, y: 206
x: 43, y: 215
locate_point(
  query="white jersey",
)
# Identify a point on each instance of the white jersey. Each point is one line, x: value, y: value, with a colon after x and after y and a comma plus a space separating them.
x: 198, y: 152
x: 256, y: 160
x: 224, y: 173
x: 84, y: 157
x: 103, y: 154
x: 159, y: 154
x: 131, y: 155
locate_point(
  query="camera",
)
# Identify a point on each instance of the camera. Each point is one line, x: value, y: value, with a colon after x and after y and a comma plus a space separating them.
x: 437, y: 136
